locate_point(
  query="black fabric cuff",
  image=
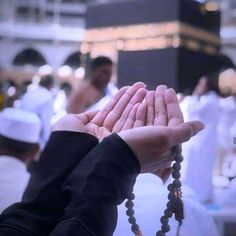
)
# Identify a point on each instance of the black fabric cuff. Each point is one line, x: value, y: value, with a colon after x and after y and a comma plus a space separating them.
x: 102, y: 181
x: 125, y: 150
x: 43, y: 201
x: 64, y: 150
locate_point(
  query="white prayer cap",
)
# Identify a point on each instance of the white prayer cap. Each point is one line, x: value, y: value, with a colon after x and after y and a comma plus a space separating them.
x: 20, y: 125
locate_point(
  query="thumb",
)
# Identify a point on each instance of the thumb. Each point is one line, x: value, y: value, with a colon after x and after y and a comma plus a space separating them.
x: 185, y: 131
x: 91, y: 114
x: 86, y: 117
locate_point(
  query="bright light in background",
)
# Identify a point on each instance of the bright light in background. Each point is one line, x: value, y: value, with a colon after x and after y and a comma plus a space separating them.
x: 11, y: 91
x: 45, y: 70
x: 64, y: 71
x: 80, y: 72
x: 227, y: 81
x: 35, y: 82
x: 36, y: 79
x: 212, y: 6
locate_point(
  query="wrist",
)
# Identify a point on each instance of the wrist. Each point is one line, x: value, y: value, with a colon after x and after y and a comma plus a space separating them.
x: 127, y: 137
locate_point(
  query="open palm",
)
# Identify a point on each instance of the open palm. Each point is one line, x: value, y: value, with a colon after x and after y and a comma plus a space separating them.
x: 163, y: 119
x: 151, y: 129
x: 164, y: 111
x: 111, y: 118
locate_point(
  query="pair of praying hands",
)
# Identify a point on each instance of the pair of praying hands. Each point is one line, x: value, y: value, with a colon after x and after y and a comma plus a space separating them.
x: 150, y: 122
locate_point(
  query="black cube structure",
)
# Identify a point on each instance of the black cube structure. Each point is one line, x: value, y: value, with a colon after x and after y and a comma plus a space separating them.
x: 171, y: 42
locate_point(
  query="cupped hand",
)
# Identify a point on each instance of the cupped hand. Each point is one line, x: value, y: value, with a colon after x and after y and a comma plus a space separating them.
x: 167, y: 113
x: 152, y: 144
x: 170, y: 116
x: 113, y: 117
x: 163, y: 116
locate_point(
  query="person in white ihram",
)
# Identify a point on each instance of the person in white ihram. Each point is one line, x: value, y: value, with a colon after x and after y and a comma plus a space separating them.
x: 40, y: 101
x: 94, y: 93
x: 19, y: 137
x: 200, y: 152
x: 150, y: 192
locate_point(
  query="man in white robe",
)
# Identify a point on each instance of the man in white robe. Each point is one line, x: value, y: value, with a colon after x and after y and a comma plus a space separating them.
x: 19, y: 136
x: 200, y: 152
x: 40, y: 101
x: 227, y: 120
x: 95, y: 92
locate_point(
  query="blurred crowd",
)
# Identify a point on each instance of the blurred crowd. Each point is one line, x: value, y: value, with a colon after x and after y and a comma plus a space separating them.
x: 40, y: 103
x: 209, y: 170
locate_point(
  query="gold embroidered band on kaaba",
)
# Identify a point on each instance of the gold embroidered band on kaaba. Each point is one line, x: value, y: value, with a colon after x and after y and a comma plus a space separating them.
x: 149, y: 37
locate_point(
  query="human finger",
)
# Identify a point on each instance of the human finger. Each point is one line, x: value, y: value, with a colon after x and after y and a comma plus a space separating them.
x: 150, y: 100
x: 101, y: 116
x: 129, y: 123
x: 184, y: 132
x: 160, y: 107
x: 114, y: 115
x: 174, y: 113
x: 141, y: 116
x: 137, y: 98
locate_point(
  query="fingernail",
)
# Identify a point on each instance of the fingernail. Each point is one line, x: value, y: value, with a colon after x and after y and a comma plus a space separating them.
x: 199, y: 127
x: 125, y: 87
x: 162, y: 87
x: 170, y: 90
x: 145, y: 86
x: 141, y: 83
x: 203, y: 127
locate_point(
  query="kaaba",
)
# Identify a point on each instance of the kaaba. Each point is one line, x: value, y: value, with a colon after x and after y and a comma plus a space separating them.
x: 172, y: 42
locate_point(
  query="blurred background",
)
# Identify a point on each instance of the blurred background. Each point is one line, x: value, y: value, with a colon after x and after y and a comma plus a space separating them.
x: 35, y: 33
x: 69, y: 56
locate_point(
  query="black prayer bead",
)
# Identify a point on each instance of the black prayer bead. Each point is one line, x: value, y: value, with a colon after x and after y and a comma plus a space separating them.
x: 135, y: 228
x: 168, y: 213
x: 178, y: 149
x: 131, y: 196
x: 169, y: 205
x: 132, y: 220
x: 177, y: 166
x: 130, y: 212
x: 179, y: 158
x: 176, y: 174
x: 164, y: 220
x: 129, y: 204
x: 170, y: 187
x: 171, y: 196
x: 165, y: 228
x: 176, y: 184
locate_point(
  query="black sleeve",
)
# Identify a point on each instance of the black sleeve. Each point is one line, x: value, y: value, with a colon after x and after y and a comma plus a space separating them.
x: 110, y: 170
x: 43, y: 201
